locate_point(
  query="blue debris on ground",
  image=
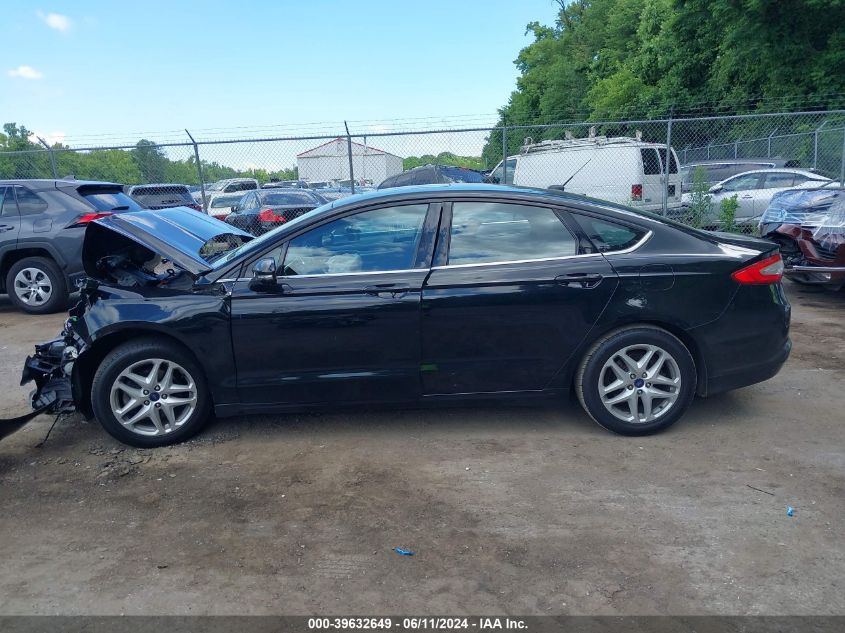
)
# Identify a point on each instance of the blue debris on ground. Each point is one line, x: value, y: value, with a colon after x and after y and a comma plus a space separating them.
x: 403, y: 552
x: 790, y: 511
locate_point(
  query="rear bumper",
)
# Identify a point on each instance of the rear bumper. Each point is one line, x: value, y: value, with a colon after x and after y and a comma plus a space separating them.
x: 748, y: 343
x: 750, y: 374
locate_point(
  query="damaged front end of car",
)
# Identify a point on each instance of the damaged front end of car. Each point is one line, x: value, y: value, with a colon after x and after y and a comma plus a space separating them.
x: 127, y: 258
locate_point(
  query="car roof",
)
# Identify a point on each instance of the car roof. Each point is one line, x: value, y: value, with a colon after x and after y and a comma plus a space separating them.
x: 781, y: 170
x: 735, y: 161
x: 46, y: 183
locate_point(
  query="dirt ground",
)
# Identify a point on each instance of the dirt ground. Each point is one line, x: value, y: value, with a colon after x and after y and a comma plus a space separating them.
x: 510, y: 510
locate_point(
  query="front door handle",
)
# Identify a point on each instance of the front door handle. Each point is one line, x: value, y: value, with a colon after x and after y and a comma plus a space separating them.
x: 6, y: 227
x: 579, y: 280
x: 387, y: 291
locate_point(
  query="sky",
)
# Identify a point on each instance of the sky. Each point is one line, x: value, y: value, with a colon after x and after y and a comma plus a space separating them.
x: 91, y: 72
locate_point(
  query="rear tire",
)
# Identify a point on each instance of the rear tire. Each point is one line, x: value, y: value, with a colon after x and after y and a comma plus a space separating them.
x: 150, y: 393
x: 637, y: 380
x: 36, y: 285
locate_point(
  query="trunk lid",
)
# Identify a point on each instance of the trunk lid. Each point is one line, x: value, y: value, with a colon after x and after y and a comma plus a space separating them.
x: 185, y: 237
x: 745, y: 241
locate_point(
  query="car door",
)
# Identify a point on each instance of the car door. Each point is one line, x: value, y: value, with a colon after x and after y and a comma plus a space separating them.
x: 10, y: 220
x: 512, y: 294
x: 744, y: 187
x: 340, y: 322
x: 772, y: 183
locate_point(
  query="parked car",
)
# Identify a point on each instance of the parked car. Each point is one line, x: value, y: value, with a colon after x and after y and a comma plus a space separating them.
x: 622, y: 170
x: 715, y: 171
x: 163, y: 196
x: 754, y: 191
x: 413, y: 295
x: 260, y: 211
x: 432, y: 174
x: 808, y: 224
x: 286, y: 184
x: 229, y: 185
x: 41, y: 227
x: 220, y: 205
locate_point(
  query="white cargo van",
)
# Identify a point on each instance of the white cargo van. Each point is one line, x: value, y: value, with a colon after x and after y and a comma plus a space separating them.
x: 620, y: 169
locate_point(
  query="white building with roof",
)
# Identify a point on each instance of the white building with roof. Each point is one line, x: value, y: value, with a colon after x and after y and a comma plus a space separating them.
x: 330, y: 161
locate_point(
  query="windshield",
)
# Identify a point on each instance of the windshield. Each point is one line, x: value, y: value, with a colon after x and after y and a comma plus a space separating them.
x: 287, y: 197
x: 267, y: 238
x: 156, y: 196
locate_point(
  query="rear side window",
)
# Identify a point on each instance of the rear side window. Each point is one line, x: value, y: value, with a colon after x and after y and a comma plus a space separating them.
x: 651, y: 162
x: 607, y: 236
x: 28, y: 202
x: 485, y: 232
x: 784, y: 179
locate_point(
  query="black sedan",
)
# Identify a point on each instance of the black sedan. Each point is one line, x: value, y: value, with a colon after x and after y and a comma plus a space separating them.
x: 415, y: 295
x: 265, y: 209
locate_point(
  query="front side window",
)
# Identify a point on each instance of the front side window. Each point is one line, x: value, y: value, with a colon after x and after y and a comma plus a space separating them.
x: 484, y: 232
x: 742, y: 183
x: 380, y: 240
x: 607, y: 236
x: 28, y: 202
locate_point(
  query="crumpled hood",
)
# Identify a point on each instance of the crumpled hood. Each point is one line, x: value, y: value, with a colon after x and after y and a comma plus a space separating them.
x: 184, y: 236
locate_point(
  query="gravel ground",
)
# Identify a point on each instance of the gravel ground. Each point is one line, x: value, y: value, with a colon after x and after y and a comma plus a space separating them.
x: 517, y: 510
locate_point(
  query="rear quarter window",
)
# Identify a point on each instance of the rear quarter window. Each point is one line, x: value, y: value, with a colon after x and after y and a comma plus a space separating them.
x: 29, y: 203
x: 608, y: 237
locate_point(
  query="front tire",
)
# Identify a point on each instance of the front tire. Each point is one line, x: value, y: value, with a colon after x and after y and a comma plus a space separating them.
x: 636, y: 380
x: 150, y: 393
x: 37, y: 286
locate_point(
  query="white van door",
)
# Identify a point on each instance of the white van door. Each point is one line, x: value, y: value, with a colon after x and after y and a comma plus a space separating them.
x: 650, y: 191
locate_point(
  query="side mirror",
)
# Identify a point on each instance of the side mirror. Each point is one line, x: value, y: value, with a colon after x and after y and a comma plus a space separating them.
x: 264, y: 269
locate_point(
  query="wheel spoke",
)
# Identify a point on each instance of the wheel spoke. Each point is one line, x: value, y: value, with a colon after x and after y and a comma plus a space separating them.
x: 142, y: 413
x: 622, y: 397
x: 645, y: 398
x: 169, y: 415
x: 615, y: 385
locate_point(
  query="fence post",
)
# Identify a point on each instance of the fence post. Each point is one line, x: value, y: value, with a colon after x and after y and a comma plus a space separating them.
x: 504, y: 178
x: 816, y: 144
x: 709, y: 145
x: 349, y: 151
x: 736, y: 148
x: 52, y: 157
x: 842, y: 165
x: 199, y: 171
x: 667, y: 165
x: 769, y: 144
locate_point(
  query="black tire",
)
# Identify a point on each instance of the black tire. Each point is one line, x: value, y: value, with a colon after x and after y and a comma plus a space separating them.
x: 590, y: 379
x: 58, y: 299
x: 123, y: 357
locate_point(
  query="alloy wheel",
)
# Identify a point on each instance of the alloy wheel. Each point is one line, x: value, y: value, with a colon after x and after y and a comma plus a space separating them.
x: 32, y: 286
x: 640, y: 383
x: 153, y: 397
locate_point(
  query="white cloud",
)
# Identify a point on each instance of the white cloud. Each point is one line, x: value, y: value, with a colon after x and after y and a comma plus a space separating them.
x: 52, y: 138
x: 25, y: 72
x: 56, y: 21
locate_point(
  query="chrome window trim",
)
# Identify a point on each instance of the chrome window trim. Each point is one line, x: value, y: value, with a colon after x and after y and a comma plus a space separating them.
x: 630, y: 249
x: 370, y: 272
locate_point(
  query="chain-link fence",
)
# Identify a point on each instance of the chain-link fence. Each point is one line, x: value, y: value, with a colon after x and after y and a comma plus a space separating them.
x: 711, y: 172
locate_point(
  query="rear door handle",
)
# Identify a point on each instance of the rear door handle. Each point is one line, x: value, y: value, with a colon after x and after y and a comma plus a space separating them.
x: 579, y: 280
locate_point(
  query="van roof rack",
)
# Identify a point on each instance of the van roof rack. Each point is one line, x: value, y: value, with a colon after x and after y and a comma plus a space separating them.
x: 529, y: 147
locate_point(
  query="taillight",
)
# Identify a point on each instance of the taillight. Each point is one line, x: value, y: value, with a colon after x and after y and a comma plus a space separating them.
x: 195, y: 207
x: 636, y: 192
x: 268, y: 215
x: 767, y: 271
x: 83, y: 220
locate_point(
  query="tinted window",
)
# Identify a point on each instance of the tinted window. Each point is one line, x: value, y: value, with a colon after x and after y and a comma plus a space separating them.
x: 109, y: 200
x: 28, y: 202
x: 743, y: 183
x: 222, y: 202
x: 7, y: 205
x: 608, y: 236
x: 162, y: 196
x: 378, y: 240
x: 493, y: 232
x: 673, y: 166
x: 651, y: 162
x: 779, y: 180
x: 288, y: 197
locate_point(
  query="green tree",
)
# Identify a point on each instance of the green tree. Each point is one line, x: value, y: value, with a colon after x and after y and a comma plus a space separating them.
x: 151, y: 161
